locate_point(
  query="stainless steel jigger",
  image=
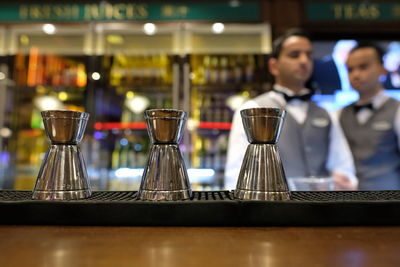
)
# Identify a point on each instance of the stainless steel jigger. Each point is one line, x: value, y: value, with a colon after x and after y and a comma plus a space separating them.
x: 63, y: 174
x: 165, y: 176
x: 262, y: 176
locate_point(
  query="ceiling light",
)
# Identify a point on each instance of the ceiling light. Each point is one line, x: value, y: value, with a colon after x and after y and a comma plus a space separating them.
x: 96, y: 76
x: 49, y: 28
x: 218, y: 27
x: 149, y: 28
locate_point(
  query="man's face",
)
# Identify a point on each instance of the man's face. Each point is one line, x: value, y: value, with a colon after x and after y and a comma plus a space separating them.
x: 364, y: 69
x: 294, y: 64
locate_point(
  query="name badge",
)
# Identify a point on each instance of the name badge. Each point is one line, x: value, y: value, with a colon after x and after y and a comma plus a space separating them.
x: 320, y: 122
x: 381, y: 126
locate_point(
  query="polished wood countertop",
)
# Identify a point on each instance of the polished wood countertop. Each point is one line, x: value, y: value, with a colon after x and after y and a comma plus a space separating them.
x: 60, y: 246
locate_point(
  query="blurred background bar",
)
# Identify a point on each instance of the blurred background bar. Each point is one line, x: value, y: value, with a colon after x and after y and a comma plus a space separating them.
x: 116, y: 59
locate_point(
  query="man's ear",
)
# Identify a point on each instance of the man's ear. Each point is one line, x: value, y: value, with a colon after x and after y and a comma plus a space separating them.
x: 273, y: 66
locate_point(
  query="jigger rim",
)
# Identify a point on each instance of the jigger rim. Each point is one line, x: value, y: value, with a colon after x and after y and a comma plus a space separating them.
x: 65, y: 114
x: 165, y: 113
x: 263, y: 112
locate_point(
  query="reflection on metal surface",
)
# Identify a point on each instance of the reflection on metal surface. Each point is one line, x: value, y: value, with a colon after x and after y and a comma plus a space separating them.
x: 63, y: 172
x: 262, y: 176
x: 165, y: 176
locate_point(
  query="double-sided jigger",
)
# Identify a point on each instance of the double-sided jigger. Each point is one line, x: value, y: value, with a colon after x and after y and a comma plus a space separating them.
x: 165, y: 176
x: 262, y: 176
x: 63, y: 174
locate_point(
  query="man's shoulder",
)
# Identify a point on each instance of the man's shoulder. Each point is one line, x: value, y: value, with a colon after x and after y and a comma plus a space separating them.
x: 394, y: 100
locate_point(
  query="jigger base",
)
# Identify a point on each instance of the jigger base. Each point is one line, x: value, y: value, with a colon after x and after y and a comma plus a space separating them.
x: 61, y: 195
x: 165, y: 195
x: 261, y: 195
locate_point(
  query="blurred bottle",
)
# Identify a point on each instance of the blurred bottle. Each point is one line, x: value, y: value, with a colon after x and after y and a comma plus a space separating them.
x: 238, y: 69
x: 32, y: 66
x: 224, y: 70
x: 207, y: 69
x: 81, y: 78
x: 115, y: 156
x: 132, y: 156
x: 124, y: 153
x: 208, y: 153
x: 20, y: 71
x: 166, y: 69
x: 250, y: 69
x: 214, y: 70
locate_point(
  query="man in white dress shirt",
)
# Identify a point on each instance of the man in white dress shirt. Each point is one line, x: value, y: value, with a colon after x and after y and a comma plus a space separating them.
x: 372, y: 124
x: 311, y: 141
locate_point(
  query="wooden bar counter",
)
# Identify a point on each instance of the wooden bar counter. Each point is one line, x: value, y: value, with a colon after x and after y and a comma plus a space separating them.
x: 60, y: 246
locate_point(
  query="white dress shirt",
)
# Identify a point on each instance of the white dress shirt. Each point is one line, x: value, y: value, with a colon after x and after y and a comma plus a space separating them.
x: 377, y: 101
x: 339, y: 159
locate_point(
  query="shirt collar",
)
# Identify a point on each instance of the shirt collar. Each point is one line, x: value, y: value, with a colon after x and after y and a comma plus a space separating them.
x: 280, y: 98
x: 378, y: 100
x: 288, y: 91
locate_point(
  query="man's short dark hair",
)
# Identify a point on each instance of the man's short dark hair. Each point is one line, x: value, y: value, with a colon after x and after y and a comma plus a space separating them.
x: 278, y: 43
x: 380, y: 52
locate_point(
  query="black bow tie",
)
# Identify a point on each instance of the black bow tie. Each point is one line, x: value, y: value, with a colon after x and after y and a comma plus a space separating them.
x: 305, y: 97
x: 357, y: 108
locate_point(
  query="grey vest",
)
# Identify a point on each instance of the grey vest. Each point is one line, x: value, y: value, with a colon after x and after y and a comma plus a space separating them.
x: 374, y: 146
x: 304, y: 148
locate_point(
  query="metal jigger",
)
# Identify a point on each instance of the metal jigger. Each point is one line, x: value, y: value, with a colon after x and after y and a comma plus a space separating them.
x: 165, y: 176
x: 262, y: 176
x: 63, y: 175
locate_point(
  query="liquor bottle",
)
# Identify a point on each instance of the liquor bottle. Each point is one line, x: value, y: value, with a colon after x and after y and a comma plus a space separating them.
x: 20, y: 71
x: 165, y: 69
x: 56, y: 79
x: 224, y: 70
x: 132, y: 156
x: 250, y: 69
x: 222, y: 146
x: 207, y: 69
x: 195, y: 69
x: 123, y: 155
x: 238, y: 69
x: 214, y: 70
x: 32, y: 66
x: 208, y: 153
x: 141, y: 149
x: 115, y: 155
x: 81, y: 78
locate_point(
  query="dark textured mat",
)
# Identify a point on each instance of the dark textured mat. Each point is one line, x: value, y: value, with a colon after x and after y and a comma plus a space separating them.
x: 206, y: 208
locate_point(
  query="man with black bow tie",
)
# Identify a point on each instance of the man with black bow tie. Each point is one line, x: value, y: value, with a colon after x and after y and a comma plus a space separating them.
x: 372, y: 124
x: 311, y: 142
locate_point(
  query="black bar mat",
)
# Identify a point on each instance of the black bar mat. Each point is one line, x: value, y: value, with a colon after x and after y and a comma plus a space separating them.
x: 206, y: 208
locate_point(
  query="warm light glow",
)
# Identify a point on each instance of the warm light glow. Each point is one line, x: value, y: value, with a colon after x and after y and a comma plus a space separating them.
x: 24, y: 40
x: 137, y: 104
x: 128, y: 172
x: 115, y: 39
x: 46, y: 102
x: 62, y: 96
x: 130, y: 94
x: 96, y: 76
x: 5, y: 132
x: 149, y: 28
x: 2, y: 76
x: 49, y: 28
x: 192, y: 124
x: 218, y: 27
x: 234, y: 3
x: 235, y: 101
